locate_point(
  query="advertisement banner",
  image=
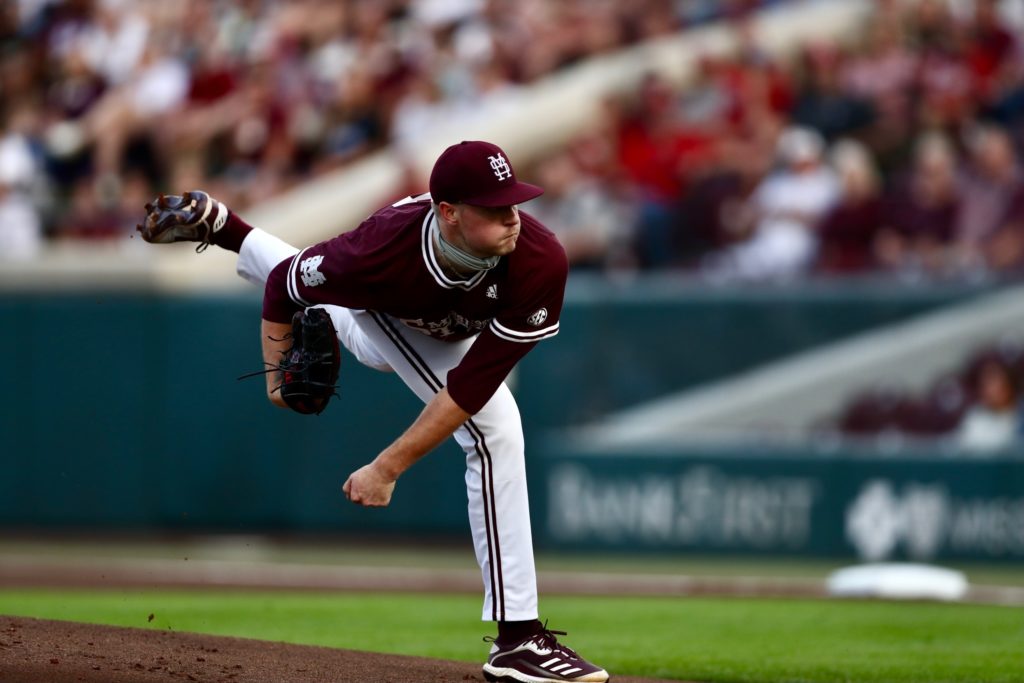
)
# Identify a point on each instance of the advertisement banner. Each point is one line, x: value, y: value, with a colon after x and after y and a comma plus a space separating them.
x: 873, y: 509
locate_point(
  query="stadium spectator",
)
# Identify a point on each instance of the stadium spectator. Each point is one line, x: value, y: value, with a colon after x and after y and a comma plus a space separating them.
x: 990, y: 50
x: 717, y: 212
x: 918, y: 224
x: 591, y: 223
x: 658, y: 152
x: 993, y: 421
x: 20, y: 222
x: 154, y: 91
x: 881, y: 69
x: 946, y: 90
x: 821, y: 101
x: 848, y: 231
x: 20, y: 225
x: 788, y: 204
x: 990, y: 223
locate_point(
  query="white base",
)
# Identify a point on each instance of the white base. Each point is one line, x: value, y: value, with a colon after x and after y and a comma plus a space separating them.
x: 896, y: 580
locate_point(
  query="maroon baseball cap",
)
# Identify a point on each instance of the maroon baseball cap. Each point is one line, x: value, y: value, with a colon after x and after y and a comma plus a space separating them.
x: 478, y: 173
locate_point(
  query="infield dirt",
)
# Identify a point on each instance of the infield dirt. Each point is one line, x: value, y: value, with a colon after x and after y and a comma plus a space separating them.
x: 42, y: 651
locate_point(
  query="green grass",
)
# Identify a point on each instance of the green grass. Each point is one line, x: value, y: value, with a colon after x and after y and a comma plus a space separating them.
x: 682, y: 638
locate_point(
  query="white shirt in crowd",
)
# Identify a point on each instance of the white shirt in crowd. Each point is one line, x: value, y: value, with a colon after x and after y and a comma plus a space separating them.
x: 784, y: 240
x: 983, y: 431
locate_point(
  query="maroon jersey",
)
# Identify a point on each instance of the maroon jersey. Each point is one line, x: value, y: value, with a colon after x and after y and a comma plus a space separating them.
x: 389, y: 264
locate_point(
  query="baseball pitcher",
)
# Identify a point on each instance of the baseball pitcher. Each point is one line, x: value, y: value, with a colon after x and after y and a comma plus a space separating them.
x: 448, y: 290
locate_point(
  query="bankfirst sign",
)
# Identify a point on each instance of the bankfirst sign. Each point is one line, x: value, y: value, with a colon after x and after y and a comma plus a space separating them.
x: 870, y: 508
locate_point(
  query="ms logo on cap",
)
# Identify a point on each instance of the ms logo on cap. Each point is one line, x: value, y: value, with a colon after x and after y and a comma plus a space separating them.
x: 459, y: 175
x: 500, y: 166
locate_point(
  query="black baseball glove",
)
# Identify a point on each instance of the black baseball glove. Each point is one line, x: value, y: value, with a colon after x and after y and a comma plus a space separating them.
x: 309, y: 369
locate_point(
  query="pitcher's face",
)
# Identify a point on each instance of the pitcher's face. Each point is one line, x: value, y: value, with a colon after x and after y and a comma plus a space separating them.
x: 487, y: 231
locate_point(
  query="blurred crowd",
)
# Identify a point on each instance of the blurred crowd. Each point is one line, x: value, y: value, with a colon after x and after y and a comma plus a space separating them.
x: 899, y: 151
x: 104, y: 102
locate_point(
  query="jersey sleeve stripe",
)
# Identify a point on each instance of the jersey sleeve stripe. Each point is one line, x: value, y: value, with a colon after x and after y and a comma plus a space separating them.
x: 293, y: 286
x: 516, y: 336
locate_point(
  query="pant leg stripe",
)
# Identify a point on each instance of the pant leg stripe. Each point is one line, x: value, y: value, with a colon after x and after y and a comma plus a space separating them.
x: 489, y: 486
x: 490, y: 522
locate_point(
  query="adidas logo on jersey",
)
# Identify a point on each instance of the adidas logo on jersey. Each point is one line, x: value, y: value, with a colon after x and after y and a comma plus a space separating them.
x: 492, y: 292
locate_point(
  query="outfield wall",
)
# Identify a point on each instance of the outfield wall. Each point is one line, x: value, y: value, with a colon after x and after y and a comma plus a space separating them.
x: 123, y: 413
x: 624, y: 343
x: 757, y: 501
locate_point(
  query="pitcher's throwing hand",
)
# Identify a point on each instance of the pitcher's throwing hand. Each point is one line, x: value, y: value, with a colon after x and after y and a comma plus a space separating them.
x: 369, y: 487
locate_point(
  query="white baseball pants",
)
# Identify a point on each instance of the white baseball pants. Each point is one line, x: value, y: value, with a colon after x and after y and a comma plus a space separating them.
x: 499, y: 513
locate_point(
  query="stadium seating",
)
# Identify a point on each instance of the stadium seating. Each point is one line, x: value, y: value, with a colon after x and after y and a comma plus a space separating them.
x: 939, y: 409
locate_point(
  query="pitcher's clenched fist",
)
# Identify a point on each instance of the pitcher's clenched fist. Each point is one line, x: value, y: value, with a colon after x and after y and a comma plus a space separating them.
x: 369, y: 487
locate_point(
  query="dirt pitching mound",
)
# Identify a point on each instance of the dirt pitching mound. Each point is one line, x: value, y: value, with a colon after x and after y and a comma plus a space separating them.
x: 41, y: 651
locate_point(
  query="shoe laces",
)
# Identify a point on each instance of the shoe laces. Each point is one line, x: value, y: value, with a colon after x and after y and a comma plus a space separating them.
x: 545, y: 639
x: 548, y: 640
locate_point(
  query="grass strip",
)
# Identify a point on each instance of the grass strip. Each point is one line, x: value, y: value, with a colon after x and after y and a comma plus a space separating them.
x: 720, y: 640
